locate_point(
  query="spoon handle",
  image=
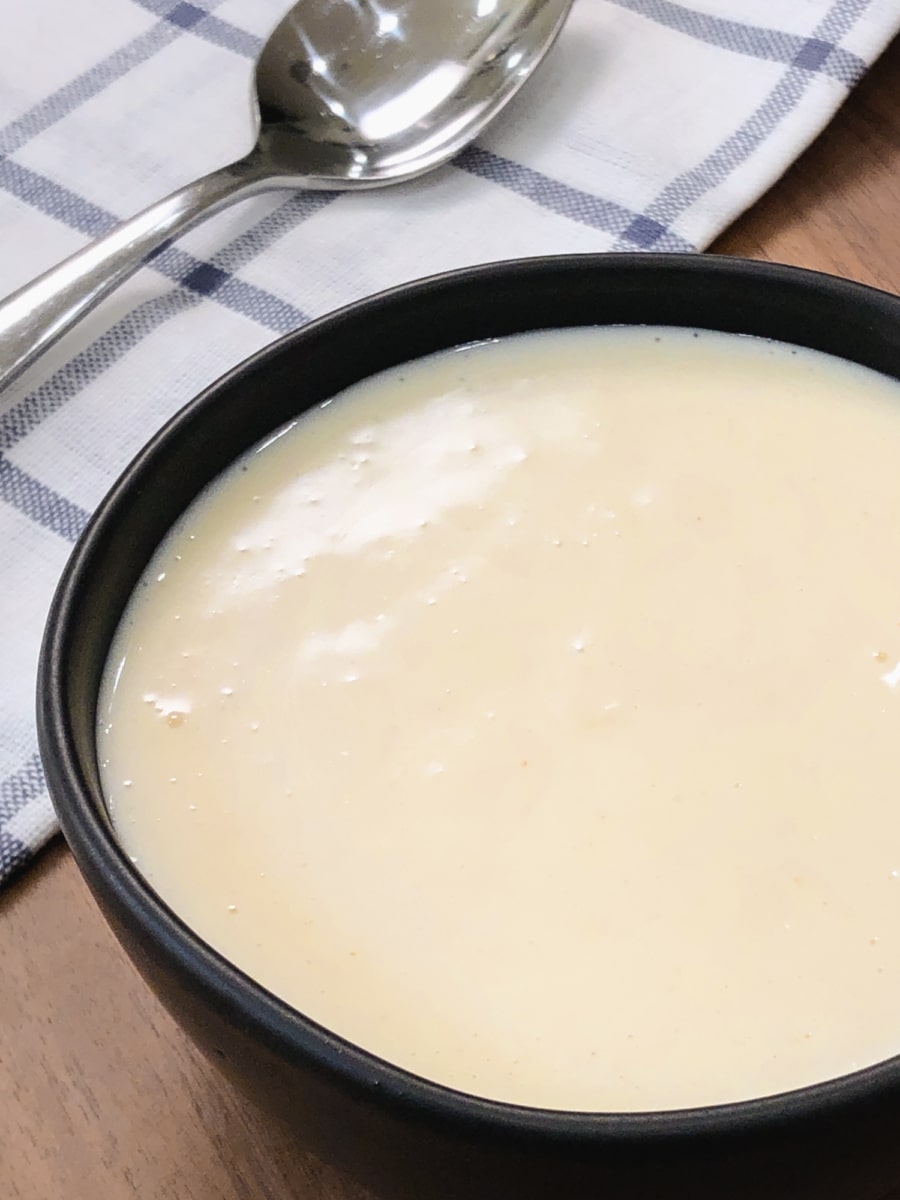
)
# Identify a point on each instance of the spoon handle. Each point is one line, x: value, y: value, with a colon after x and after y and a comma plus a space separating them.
x: 32, y: 318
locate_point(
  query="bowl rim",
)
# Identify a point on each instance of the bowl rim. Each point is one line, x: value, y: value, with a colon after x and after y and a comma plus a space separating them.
x: 272, y: 1021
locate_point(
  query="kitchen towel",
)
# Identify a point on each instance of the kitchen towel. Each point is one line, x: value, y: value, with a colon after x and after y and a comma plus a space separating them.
x: 651, y: 126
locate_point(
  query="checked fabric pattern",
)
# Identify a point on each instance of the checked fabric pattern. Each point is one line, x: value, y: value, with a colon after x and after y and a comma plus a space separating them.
x: 652, y: 125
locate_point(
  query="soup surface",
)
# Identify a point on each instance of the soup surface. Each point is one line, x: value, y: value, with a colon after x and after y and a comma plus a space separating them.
x: 530, y: 717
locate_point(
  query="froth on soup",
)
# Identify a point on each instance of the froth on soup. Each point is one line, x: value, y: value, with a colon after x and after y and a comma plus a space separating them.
x: 529, y: 717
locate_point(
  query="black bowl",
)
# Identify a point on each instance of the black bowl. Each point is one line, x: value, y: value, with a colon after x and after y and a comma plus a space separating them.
x: 404, y: 1136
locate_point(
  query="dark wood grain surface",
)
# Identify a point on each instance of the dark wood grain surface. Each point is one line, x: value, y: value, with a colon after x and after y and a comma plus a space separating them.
x: 100, y: 1095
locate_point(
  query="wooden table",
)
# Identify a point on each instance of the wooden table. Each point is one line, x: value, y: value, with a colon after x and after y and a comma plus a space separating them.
x: 100, y: 1094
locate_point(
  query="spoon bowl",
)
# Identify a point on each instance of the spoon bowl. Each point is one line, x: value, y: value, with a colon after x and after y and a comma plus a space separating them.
x: 349, y: 94
x: 377, y: 93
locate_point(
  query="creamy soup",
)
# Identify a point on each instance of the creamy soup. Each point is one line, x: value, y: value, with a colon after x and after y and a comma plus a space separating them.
x: 530, y: 717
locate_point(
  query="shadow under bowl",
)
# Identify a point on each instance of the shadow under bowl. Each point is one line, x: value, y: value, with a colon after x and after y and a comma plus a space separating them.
x: 402, y: 1135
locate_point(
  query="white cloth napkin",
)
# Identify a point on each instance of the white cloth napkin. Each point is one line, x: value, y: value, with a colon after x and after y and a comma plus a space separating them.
x: 650, y: 127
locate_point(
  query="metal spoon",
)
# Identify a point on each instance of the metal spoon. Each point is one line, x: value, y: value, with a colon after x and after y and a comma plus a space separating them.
x: 349, y: 94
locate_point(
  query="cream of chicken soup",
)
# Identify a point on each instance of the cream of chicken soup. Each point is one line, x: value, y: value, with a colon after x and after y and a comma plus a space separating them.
x: 530, y: 717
